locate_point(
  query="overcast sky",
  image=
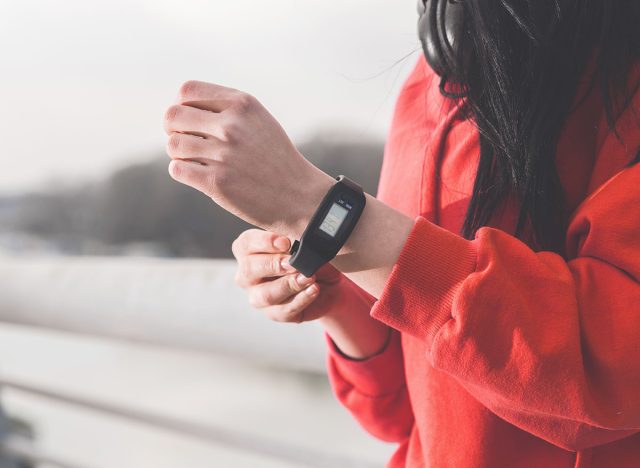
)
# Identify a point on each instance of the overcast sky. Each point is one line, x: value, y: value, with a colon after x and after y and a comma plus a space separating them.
x: 85, y: 83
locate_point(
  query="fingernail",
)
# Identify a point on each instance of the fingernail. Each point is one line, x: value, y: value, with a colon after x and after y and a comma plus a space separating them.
x: 303, y: 279
x: 281, y: 243
x: 311, y: 289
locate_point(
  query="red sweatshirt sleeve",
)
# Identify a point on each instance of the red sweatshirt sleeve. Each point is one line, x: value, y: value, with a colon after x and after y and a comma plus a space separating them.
x: 550, y: 345
x: 373, y: 390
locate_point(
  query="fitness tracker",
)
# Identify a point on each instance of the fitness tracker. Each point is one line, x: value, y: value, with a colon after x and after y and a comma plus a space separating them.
x: 329, y: 227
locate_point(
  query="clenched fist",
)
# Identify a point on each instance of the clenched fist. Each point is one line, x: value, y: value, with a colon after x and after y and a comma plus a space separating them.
x: 224, y: 143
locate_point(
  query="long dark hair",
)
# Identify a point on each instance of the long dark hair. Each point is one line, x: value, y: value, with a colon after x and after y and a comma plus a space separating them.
x: 527, y: 59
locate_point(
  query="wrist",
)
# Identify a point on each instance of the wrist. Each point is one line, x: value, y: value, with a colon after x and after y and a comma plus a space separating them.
x: 357, y: 337
x: 313, y: 188
x: 355, y: 333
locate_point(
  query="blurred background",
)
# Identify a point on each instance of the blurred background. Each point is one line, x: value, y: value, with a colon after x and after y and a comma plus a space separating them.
x: 123, y: 340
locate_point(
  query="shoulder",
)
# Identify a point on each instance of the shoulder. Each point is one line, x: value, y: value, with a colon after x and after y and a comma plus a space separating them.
x: 420, y: 82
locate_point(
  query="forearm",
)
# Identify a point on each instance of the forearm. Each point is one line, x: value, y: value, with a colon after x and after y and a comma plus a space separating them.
x: 374, y: 246
x: 366, y: 259
x: 351, y: 328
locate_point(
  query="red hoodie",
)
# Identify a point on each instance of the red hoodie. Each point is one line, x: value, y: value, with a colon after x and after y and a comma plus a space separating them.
x: 502, y: 356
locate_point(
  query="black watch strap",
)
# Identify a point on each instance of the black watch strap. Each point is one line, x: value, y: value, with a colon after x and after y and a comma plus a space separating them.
x: 330, y: 226
x: 306, y: 262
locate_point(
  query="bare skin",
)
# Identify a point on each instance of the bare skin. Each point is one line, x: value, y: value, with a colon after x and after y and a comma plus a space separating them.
x: 287, y: 296
x: 224, y: 143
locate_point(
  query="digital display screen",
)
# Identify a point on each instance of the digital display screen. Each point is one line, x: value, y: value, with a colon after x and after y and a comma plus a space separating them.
x: 334, y: 219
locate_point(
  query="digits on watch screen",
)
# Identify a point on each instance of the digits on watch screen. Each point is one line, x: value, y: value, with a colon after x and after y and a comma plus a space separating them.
x: 334, y: 219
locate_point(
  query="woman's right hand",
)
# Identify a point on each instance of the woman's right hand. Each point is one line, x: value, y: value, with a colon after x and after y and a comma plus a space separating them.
x: 276, y: 287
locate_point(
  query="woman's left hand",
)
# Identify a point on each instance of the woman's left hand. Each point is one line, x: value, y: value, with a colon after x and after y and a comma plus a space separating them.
x: 224, y: 143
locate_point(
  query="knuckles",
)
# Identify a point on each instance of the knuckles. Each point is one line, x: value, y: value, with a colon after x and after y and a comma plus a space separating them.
x: 230, y: 131
x: 241, y: 280
x: 180, y: 145
x: 235, y: 247
x: 193, y: 89
x: 292, y: 283
x: 244, y: 102
x: 217, y: 181
x: 175, y: 170
x: 273, y: 264
x: 264, y: 298
x: 244, y: 272
x: 171, y: 115
x: 241, y: 103
x: 244, y: 276
x: 189, y: 89
x: 174, y: 142
x: 240, y: 244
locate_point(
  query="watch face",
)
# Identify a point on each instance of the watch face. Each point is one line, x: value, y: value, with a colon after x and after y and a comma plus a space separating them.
x: 334, y: 219
x: 329, y: 228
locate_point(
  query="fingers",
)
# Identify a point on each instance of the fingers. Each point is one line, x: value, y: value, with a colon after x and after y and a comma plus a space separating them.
x: 254, y: 241
x: 186, y: 119
x: 208, y: 96
x: 201, y: 174
x: 184, y: 146
x: 279, y: 290
x: 293, y: 309
x: 283, y: 298
x: 260, y: 254
x: 255, y: 268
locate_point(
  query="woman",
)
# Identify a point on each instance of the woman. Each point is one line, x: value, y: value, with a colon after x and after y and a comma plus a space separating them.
x: 485, y: 311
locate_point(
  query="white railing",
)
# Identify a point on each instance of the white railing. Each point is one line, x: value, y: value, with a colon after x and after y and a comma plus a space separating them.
x: 190, y: 304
